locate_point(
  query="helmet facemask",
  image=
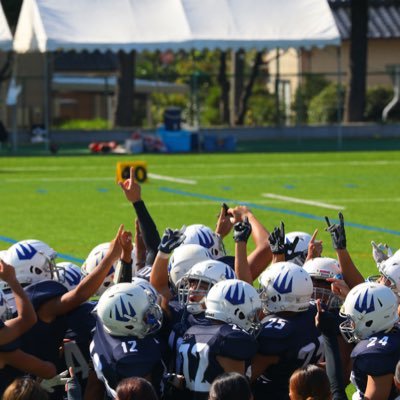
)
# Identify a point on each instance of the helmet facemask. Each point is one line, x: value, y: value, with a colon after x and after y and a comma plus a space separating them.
x: 192, y: 293
x: 323, y: 292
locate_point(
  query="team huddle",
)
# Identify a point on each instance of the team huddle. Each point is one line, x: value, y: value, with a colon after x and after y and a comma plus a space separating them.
x: 179, y: 312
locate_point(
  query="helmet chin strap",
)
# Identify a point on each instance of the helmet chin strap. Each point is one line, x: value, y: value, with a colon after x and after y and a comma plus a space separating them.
x: 198, y: 307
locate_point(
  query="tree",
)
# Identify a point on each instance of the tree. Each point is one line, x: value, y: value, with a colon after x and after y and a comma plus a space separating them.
x: 249, y: 89
x: 124, y: 94
x: 225, y: 87
x: 355, y: 100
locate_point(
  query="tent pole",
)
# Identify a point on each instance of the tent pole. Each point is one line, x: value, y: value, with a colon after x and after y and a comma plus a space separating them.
x: 47, y: 95
x: 277, y: 79
x: 339, y: 97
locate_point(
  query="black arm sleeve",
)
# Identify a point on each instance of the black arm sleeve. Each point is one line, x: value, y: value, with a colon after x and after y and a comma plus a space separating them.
x: 150, y: 235
x: 334, y: 368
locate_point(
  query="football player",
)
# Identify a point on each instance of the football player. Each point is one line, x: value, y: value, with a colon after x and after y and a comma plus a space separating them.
x: 124, y: 343
x: 226, y: 343
x: 289, y: 338
x: 11, y: 328
x: 51, y: 300
x: 371, y: 316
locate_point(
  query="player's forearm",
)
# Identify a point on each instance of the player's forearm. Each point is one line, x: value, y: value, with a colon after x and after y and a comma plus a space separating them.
x: 241, y: 265
x: 90, y: 284
x: 148, y: 228
x: 351, y: 275
x: 24, y: 307
x: 159, y: 274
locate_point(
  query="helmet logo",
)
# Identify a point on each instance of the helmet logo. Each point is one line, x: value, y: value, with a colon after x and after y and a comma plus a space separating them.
x: 111, y: 271
x: 72, y: 277
x: 281, y: 287
x: 229, y: 274
x: 235, y: 295
x: 26, y: 253
x: 362, y: 304
x: 125, y: 314
x: 205, y: 239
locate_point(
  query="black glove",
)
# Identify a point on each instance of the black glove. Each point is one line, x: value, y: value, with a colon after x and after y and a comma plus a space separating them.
x: 171, y: 240
x: 328, y: 323
x: 242, y: 230
x: 290, y: 248
x: 337, y: 232
x: 277, y: 240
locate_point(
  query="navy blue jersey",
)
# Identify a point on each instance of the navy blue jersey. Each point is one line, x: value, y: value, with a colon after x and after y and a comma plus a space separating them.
x: 376, y: 356
x: 15, y: 344
x: 296, y: 341
x: 81, y: 323
x: 175, y: 338
x: 199, y: 350
x: 44, y: 339
x: 118, y: 357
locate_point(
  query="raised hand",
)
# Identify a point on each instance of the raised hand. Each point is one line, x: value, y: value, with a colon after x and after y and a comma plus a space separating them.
x: 115, y: 249
x: 131, y: 188
x: 339, y: 287
x: 224, y: 223
x: 127, y: 246
x: 338, y: 233
x: 314, y: 247
x: 277, y: 240
x: 7, y: 272
x: 380, y: 252
x: 171, y: 240
x: 140, y: 248
x: 242, y: 230
x: 325, y: 321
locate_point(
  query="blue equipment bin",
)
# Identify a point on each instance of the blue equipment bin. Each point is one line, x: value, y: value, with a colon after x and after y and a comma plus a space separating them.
x: 175, y: 141
x: 219, y: 143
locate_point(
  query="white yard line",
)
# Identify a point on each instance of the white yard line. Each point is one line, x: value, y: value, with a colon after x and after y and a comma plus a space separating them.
x: 172, y: 179
x: 302, y: 201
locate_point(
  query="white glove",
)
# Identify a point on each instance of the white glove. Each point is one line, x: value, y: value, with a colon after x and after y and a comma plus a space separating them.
x: 58, y: 380
x: 380, y: 252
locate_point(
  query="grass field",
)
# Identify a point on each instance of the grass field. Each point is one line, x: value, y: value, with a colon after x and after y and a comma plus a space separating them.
x: 73, y: 203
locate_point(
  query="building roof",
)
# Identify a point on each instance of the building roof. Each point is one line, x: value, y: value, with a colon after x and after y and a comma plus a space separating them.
x: 81, y: 83
x: 384, y: 18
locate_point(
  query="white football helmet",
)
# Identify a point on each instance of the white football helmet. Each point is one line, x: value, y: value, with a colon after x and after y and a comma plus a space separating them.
x: 69, y: 274
x: 33, y: 261
x: 145, y: 284
x: 319, y: 269
x: 285, y: 287
x: 197, y: 282
x: 390, y: 270
x: 129, y: 309
x: 299, y: 255
x: 205, y: 237
x: 234, y: 302
x: 369, y: 308
x: 5, y: 309
x: 183, y: 258
x: 93, y: 260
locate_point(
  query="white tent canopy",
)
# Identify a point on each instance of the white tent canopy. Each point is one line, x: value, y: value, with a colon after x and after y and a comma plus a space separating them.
x: 50, y: 25
x: 5, y: 34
